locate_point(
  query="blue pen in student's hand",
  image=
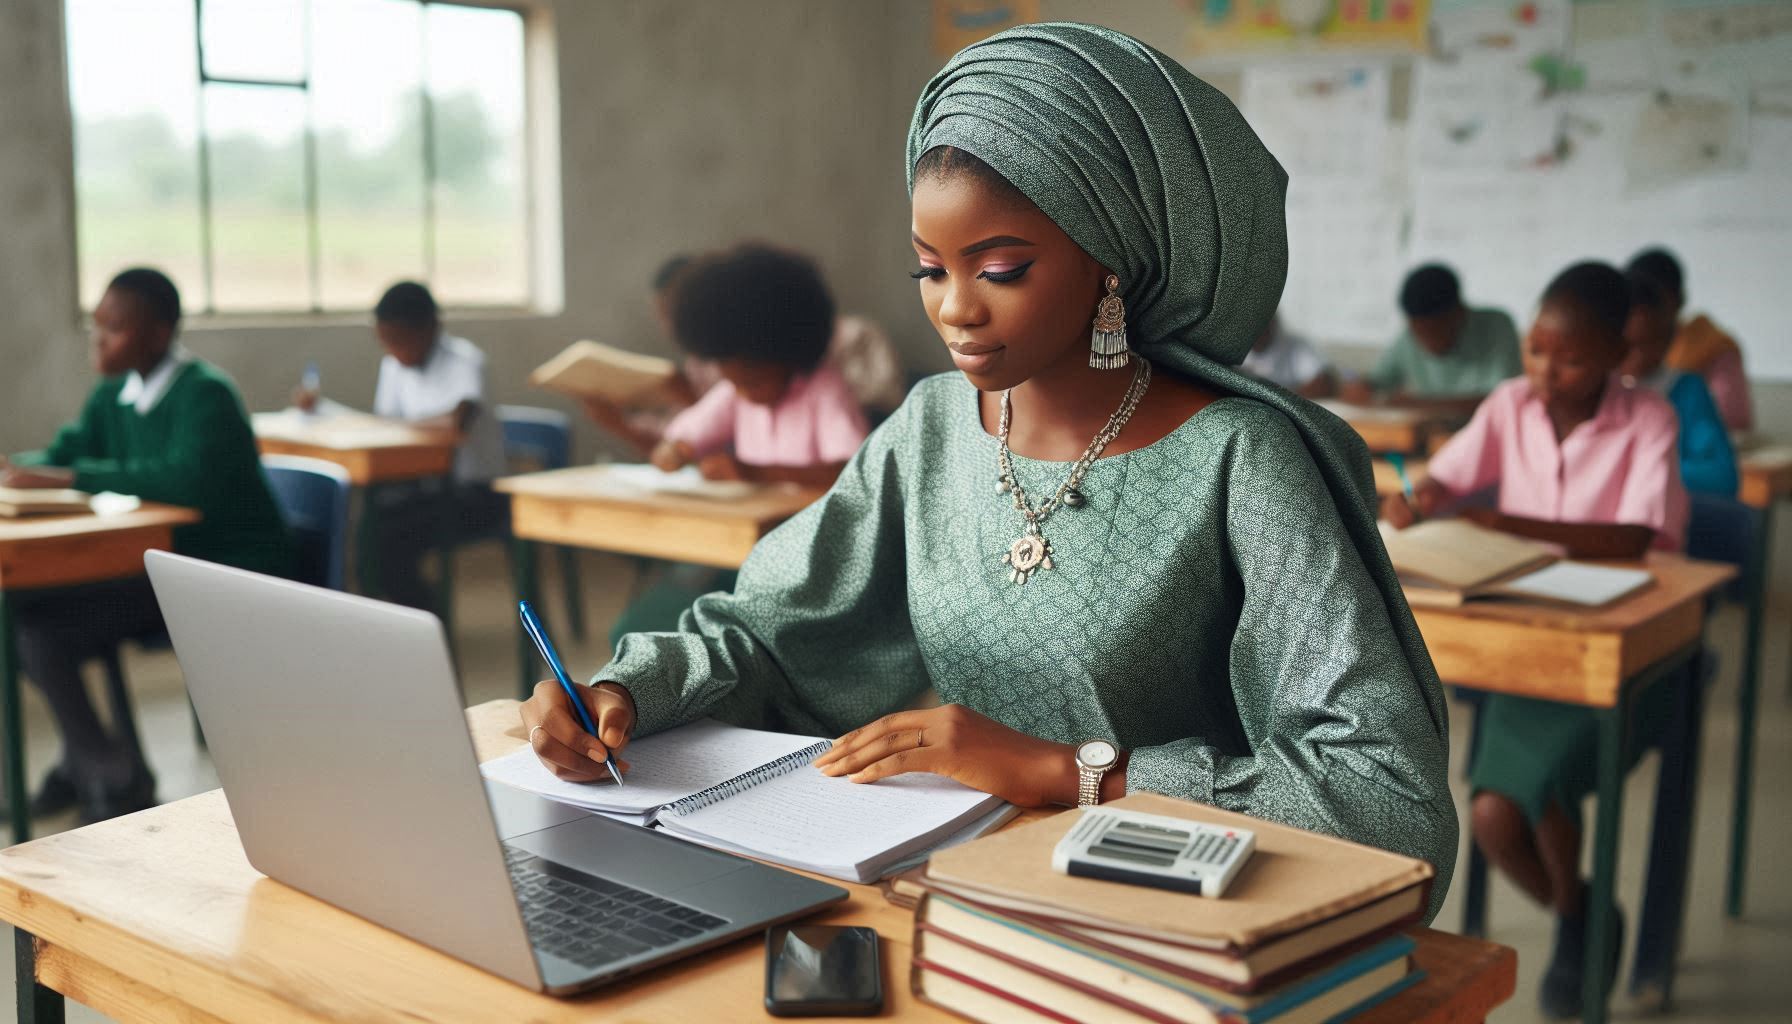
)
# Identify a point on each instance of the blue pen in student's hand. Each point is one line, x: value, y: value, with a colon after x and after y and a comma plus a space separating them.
x: 538, y: 633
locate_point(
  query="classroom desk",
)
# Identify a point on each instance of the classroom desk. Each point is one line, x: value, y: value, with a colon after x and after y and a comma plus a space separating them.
x: 1388, y: 428
x: 62, y: 551
x: 159, y: 917
x: 593, y: 507
x: 1766, y: 474
x: 1387, y: 481
x: 1601, y: 659
x: 1766, y: 471
x: 373, y: 451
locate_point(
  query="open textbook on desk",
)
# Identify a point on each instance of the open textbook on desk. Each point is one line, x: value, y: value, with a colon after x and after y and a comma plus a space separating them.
x: 756, y: 793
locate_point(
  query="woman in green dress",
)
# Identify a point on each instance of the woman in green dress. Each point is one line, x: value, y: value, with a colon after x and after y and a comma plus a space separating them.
x: 1074, y: 538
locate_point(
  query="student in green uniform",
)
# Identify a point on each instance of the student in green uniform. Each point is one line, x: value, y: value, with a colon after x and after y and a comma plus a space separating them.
x: 1449, y: 356
x: 167, y: 427
x: 1098, y: 528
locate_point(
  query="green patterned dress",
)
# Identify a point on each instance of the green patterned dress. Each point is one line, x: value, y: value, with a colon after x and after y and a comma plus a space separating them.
x: 1206, y: 611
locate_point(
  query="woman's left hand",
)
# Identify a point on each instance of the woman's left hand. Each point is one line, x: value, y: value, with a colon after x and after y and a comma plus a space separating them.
x: 954, y: 741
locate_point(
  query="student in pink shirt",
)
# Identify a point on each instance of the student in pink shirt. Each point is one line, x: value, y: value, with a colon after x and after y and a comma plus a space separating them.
x: 1583, y: 461
x: 764, y: 317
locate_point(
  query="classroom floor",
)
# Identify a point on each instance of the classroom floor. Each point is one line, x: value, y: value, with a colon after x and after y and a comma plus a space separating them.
x: 1729, y: 971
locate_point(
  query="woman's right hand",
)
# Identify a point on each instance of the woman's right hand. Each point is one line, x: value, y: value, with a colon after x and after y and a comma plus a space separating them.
x: 562, y: 743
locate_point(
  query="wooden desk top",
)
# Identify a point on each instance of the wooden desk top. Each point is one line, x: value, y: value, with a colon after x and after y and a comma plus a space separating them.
x: 62, y: 550
x: 1579, y: 656
x: 371, y: 449
x: 1390, y: 428
x: 1387, y: 481
x: 596, y: 507
x: 1766, y: 473
x: 158, y: 916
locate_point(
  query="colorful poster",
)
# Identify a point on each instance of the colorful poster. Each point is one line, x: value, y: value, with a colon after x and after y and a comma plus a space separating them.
x: 1225, y: 28
x: 959, y: 23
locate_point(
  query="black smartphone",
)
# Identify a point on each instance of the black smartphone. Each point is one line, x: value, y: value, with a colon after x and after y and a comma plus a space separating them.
x: 822, y: 971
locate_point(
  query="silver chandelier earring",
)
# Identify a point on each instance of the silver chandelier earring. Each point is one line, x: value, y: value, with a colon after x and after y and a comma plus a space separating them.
x: 1107, y: 346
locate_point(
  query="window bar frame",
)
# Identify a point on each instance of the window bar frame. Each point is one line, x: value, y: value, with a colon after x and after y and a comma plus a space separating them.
x: 313, y: 231
x: 426, y: 94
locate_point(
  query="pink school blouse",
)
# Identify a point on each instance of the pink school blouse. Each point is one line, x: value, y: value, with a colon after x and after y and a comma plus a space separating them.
x: 817, y: 421
x: 1621, y: 466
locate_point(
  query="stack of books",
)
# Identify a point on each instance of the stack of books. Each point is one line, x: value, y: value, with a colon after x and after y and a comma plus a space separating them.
x: 1311, y: 930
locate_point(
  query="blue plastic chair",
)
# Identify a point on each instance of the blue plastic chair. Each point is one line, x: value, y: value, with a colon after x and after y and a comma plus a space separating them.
x: 543, y: 438
x: 313, y: 498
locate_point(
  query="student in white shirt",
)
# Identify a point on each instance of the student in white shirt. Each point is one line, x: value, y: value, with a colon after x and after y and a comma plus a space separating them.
x: 431, y: 378
x: 1283, y: 357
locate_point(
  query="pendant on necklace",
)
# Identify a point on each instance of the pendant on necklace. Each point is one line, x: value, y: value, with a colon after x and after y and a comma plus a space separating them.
x: 1029, y: 553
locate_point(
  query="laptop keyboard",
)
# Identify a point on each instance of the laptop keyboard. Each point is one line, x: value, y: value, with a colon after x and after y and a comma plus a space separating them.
x: 594, y: 921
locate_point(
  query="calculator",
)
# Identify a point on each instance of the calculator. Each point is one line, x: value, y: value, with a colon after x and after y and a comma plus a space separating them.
x: 1153, y: 849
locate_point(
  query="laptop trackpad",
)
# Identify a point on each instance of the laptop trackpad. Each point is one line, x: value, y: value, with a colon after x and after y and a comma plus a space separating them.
x: 629, y: 854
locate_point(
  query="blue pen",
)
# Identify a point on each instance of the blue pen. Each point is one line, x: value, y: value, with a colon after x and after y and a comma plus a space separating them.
x: 539, y: 634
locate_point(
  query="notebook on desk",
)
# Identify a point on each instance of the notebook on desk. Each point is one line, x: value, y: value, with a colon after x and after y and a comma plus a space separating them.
x: 1445, y: 562
x: 755, y: 793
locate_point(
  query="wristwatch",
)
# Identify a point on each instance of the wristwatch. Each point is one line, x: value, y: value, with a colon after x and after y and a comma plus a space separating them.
x: 1093, y: 759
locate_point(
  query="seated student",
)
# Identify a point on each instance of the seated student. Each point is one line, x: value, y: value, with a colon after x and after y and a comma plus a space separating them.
x: 1700, y: 346
x: 1216, y: 602
x: 1283, y: 357
x: 1707, y: 461
x: 640, y: 425
x: 431, y: 378
x: 1449, y: 356
x: 164, y: 426
x: 1566, y: 442
x: 764, y: 316
x: 858, y: 349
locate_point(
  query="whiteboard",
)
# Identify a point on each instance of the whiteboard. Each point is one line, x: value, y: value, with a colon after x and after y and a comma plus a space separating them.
x: 1651, y: 122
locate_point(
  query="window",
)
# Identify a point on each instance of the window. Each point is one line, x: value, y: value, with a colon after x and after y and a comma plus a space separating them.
x: 301, y: 155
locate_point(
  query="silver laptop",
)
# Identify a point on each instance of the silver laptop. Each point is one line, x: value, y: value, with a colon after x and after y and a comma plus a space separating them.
x: 337, y: 729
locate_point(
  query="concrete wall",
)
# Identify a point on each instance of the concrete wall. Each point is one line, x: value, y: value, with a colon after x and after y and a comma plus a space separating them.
x: 681, y: 124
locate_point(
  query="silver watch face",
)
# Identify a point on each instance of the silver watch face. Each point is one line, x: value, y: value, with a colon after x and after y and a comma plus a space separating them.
x: 1097, y: 754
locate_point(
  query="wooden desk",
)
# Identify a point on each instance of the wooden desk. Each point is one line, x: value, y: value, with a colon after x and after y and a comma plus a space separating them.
x: 595, y: 507
x: 1387, y: 428
x: 371, y: 450
x: 1599, y: 659
x: 374, y: 452
x: 1766, y: 474
x: 1387, y: 481
x: 60, y: 551
x: 159, y: 917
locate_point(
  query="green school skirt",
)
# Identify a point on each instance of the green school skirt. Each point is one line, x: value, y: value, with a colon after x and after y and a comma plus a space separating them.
x: 1539, y: 752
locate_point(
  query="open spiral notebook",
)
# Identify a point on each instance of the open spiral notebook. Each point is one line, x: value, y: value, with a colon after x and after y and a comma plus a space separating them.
x: 756, y: 793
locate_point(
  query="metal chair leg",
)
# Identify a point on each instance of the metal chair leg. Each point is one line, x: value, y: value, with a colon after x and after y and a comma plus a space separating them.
x: 17, y: 806
x: 575, y: 597
x: 1670, y: 849
x: 118, y: 694
x: 37, y: 1004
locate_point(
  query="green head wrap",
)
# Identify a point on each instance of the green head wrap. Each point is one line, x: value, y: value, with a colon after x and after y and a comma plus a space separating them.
x: 1156, y: 175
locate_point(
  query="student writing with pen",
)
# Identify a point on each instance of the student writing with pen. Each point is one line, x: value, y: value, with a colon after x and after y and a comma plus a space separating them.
x: 1098, y: 529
